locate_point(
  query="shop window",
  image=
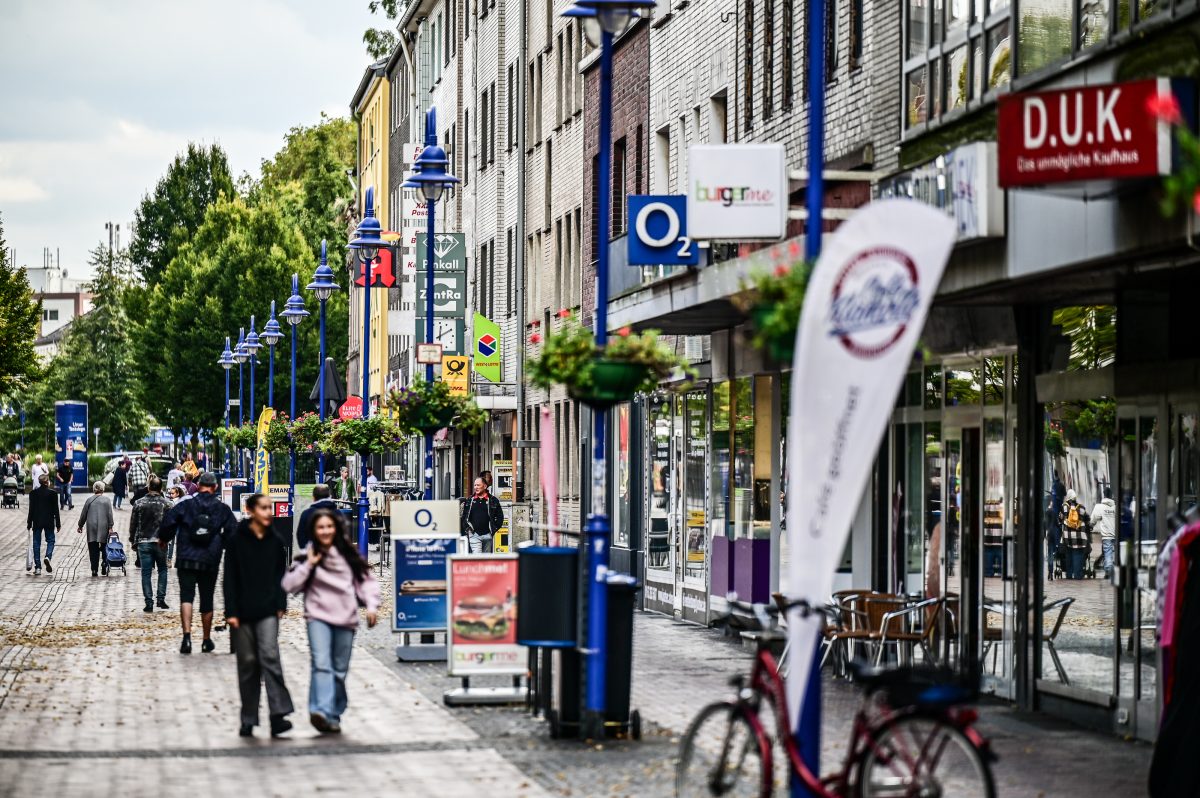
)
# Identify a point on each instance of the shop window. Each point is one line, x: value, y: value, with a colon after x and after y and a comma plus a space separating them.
x: 743, y: 458
x: 999, y: 54
x: 622, y: 486
x: 963, y: 386
x: 660, y: 547
x: 697, y: 476
x: 1044, y: 34
x: 933, y: 387
x: 1091, y: 334
x: 993, y: 381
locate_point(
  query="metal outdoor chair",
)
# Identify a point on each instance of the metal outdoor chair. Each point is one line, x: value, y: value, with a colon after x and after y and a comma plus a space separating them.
x: 847, y: 626
x: 1062, y: 605
x: 898, y: 629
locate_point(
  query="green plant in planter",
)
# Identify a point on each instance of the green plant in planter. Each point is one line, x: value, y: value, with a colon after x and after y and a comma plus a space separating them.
x: 243, y: 437
x: 773, y: 301
x: 430, y: 406
x: 277, y: 437
x: 307, y: 430
x: 630, y: 363
x: 375, y: 435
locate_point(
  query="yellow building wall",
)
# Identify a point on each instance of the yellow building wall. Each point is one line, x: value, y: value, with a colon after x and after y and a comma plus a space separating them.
x: 373, y: 173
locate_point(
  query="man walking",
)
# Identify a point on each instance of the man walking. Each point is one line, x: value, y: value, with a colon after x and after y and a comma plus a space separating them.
x: 139, y: 477
x: 255, y: 563
x: 148, y: 513
x: 343, y: 486
x: 202, y: 524
x: 63, y: 475
x: 481, y: 517
x: 43, y: 519
x: 38, y: 470
x: 1104, y: 521
x: 304, y: 525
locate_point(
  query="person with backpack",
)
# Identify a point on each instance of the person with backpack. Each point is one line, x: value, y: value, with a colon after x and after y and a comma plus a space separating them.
x: 43, y: 519
x: 1058, y: 494
x: 148, y: 513
x: 202, y: 525
x: 1076, y: 537
x: 255, y: 562
x: 335, y: 581
x: 139, y: 477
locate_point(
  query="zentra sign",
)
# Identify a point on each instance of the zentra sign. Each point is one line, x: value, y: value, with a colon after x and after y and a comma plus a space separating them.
x: 1085, y: 133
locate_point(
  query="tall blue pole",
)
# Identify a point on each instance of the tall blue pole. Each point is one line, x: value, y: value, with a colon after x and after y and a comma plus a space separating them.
x: 271, y: 376
x: 808, y: 730
x: 431, y: 207
x: 321, y: 389
x: 363, y: 504
x: 596, y: 530
x: 228, y: 461
x: 241, y: 418
x: 292, y: 415
x: 23, y: 426
x: 253, y: 408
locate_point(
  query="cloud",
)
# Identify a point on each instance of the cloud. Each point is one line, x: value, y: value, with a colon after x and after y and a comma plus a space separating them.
x: 15, y: 190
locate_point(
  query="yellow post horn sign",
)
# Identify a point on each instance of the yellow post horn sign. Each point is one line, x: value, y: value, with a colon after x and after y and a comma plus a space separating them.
x: 262, y: 458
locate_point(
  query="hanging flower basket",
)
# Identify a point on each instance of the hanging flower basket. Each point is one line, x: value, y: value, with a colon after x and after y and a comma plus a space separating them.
x: 430, y: 406
x: 308, y: 430
x: 278, y: 437
x: 375, y: 435
x: 773, y: 302
x: 600, y: 377
x: 433, y: 419
x: 243, y: 437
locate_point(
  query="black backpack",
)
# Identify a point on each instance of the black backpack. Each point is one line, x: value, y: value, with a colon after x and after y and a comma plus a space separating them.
x: 205, y: 524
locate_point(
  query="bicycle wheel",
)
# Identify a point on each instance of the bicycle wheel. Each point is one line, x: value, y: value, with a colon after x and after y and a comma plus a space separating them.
x: 923, y: 757
x: 723, y: 754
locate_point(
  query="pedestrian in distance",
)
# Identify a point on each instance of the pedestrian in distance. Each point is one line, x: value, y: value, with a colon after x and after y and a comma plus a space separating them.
x: 255, y: 564
x: 10, y: 468
x: 201, y: 525
x: 42, y: 520
x: 486, y: 476
x: 38, y: 470
x: 372, y: 480
x: 1058, y: 494
x: 481, y: 517
x: 335, y: 581
x: 342, y: 486
x: 97, y: 517
x: 1104, y: 522
x: 321, y: 500
x: 147, y: 517
x: 1076, y: 538
x: 63, y: 476
x: 139, y: 476
x: 175, y: 475
x: 120, y: 483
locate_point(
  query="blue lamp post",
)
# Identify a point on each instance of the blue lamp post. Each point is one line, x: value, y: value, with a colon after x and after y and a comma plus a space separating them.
x: 272, y: 334
x: 241, y: 355
x: 226, y: 362
x: 252, y: 346
x: 322, y: 287
x: 366, y: 245
x: 431, y: 179
x: 293, y: 314
x: 611, y: 17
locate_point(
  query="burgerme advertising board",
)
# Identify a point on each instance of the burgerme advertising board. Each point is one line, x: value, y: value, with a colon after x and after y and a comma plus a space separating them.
x: 482, y: 630
x: 1082, y: 133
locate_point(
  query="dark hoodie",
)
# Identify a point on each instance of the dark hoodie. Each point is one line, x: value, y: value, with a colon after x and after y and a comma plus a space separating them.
x: 193, y: 552
x: 254, y: 572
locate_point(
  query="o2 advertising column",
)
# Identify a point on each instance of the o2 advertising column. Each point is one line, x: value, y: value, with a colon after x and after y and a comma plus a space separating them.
x: 71, y: 439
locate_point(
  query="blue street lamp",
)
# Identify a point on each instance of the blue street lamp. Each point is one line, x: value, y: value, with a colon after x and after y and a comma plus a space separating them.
x: 226, y: 362
x: 241, y: 355
x: 322, y: 287
x: 293, y: 314
x: 271, y: 335
x: 366, y: 245
x: 252, y: 346
x: 431, y: 179
x: 612, y: 16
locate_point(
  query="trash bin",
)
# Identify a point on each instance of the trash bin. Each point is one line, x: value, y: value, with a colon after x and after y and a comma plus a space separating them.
x: 621, y: 599
x: 547, y: 596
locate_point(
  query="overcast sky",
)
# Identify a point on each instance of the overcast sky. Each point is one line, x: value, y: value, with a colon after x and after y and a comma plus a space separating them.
x: 97, y: 96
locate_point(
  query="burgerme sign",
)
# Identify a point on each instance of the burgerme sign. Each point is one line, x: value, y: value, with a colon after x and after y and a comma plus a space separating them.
x: 737, y: 192
x: 1085, y: 133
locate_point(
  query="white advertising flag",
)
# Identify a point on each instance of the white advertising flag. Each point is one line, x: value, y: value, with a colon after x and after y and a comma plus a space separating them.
x: 864, y: 309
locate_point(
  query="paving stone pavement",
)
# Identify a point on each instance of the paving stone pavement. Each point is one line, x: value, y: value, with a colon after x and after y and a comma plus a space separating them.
x: 95, y: 700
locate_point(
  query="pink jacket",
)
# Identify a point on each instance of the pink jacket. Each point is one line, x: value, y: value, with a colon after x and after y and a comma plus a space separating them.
x: 332, y: 596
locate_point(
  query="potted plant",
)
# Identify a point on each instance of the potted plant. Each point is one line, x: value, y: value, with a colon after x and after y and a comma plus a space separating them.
x: 243, y: 437
x: 430, y: 406
x: 773, y: 301
x: 603, y: 376
x: 278, y: 435
x: 377, y: 434
x: 307, y: 430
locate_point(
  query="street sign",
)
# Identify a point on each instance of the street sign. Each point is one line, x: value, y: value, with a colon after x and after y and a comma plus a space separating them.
x: 351, y: 408
x: 450, y: 333
x: 449, y: 252
x: 383, y: 269
x: 659, y: 227
x: 449, y: 294
x: 487, y: 349
x: 429, y: 354
x: 456, y: 372
x: 737, y: 192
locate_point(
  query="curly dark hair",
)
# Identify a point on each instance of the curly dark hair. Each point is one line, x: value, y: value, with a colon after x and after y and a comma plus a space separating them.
x: 358, y: 566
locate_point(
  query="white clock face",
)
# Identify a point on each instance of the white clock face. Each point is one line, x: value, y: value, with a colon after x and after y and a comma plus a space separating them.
x: 445, y: 332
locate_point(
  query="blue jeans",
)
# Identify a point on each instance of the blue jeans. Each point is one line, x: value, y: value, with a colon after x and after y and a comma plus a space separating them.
x: 150, y: 555
x: 331, y: 646
x: 1107, y: 546
x: 1075, y: 558
x: 65, y: 499
x: 37, y: 545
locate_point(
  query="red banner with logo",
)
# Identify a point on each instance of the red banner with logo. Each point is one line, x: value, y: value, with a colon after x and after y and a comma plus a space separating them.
x: 1084, y: 133
x: 383, y: 267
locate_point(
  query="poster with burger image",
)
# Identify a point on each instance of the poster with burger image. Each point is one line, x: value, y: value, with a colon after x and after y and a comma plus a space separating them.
x: 483, y: 616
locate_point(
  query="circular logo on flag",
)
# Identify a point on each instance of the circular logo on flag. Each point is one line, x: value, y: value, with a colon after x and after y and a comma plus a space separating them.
x: 874, y: 299
x: 486, y: 345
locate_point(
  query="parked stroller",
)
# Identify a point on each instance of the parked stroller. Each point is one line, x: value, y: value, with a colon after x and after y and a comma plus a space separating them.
x: 114, y: 555
x: 10, y: 493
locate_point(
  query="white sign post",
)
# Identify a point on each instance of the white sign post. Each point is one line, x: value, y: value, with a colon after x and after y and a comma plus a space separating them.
x: 864, y: 309
x: 737, y: 191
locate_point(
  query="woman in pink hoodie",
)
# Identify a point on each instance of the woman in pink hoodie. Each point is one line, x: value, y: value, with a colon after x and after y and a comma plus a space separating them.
x: 336, y: 581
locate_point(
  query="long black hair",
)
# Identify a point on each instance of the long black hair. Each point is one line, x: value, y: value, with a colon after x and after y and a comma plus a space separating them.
x: 358, y: 566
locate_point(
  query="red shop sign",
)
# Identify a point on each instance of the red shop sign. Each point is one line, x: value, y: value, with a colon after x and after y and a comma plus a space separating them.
x: 383, y: 268
x: 1085, y: 133
x: 351, y: 408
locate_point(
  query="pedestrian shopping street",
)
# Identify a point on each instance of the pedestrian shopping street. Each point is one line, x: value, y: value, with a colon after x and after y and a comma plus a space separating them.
x: 95, y: 699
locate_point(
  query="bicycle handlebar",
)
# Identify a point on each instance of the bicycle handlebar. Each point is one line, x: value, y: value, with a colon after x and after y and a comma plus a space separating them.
x: 766, y: 614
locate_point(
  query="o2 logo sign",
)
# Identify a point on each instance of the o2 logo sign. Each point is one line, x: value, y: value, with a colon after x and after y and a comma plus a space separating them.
x: 658, y: 232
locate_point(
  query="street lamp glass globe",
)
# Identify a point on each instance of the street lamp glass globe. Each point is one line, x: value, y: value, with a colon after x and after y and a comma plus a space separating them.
x: 323, y: 293
x: 432, y: 191
x: 613, y: 20
x: 240, y: 354
x: 366, y: 252
x: 591, y: 31
x: 271, y: 337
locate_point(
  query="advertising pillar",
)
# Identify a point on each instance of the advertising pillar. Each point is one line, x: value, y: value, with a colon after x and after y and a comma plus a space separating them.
x: 71, y: 439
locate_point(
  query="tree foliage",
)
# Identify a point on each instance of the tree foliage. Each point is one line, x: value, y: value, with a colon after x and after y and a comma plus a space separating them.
x: 169, y: 216
x: 382, y: 41
x: 1092, y: 331
x: 20, y: 315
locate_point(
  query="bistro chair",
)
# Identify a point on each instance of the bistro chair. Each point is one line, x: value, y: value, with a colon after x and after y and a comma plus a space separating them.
x: 848, y: 626
x: 1062, y: 605
x: 897, y: 629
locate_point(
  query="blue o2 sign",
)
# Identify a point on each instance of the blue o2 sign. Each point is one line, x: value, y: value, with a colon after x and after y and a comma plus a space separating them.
x: 658, y: 232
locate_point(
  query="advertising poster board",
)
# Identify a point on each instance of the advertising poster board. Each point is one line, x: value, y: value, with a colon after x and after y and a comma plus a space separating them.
x: 71, y: 440
x: 482, y: 628
x: 502, y: 473
x: 227, y: 486
x: 419, y: 582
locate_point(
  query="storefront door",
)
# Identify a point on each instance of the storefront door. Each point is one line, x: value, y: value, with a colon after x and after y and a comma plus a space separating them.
x: 961, y: 548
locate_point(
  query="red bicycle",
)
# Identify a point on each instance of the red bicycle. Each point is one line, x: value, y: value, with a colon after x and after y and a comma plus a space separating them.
x: 911, y: 737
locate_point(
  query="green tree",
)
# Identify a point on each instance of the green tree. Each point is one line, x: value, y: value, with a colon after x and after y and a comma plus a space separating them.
x: 382, y: 41
x: 20, y: 315
x: 170, y: 216
x: 1092, y: 331
x: 96, y: 360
